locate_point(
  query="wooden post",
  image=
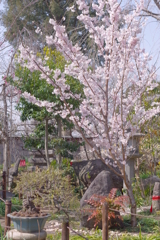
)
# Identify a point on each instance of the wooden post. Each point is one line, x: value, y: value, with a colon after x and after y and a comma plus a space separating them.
x: 8, y: 205
x: 65, y: 231
x: 20, y: 196
x: 105, y: 221
x: 4, y: 185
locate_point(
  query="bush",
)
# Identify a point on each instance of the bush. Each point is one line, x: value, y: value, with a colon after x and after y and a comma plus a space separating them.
x: 115, y: 202
x: 49, y: 188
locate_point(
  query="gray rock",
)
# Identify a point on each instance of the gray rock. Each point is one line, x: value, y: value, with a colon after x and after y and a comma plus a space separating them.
x: 101, y: 185
x: 14, y: 170
x: 150, y: 181
x: 87, y: 171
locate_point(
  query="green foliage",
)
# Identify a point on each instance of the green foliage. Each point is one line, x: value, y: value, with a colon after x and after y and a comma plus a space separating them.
x: 149, y: 144
x: 145, y: 175
x: 2, y: 208
x: 16, y: 201
x: 136, y: 191
x: 2, y: 233
x: 148, y: 224
x: 96, y: 235
x: 140, y: 201
x: 17, y: 17
x: 16, y: 206
x: 56, y: 236
x: 62, y: 146
x: 50, y: 189
x: 68, y: 171
x: 140, y: 237
x: 30, y: 82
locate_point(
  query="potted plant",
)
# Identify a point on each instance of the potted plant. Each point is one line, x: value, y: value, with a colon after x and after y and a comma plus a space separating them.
x: 43, y: 189
x: 30, y: 219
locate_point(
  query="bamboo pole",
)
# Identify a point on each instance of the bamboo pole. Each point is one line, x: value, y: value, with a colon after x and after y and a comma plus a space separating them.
x: 65, y: 231
x: 8, y: 205
x: 4, y: 185
x: 105, y: 221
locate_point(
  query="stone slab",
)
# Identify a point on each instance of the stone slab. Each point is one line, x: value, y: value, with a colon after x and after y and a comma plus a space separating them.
x: 16, y: 235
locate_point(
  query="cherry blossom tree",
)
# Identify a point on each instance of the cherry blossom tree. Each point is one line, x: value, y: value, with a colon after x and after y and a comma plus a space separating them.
x: 112, y: 111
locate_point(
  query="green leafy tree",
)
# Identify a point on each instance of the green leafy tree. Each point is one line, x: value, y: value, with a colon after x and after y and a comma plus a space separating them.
x: 25, y: 16
x: 147, y: 165
x: 30, y: 82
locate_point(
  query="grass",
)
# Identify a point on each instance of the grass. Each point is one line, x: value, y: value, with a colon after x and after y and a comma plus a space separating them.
x: 147, y: 229
x: 97, y: 235
x: 16, y: 206
x: 147, y: 225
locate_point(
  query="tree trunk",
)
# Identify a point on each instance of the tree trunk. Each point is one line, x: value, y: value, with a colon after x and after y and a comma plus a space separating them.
x: 59, y: 158
x: 46, y: 142
x: 6, y: 139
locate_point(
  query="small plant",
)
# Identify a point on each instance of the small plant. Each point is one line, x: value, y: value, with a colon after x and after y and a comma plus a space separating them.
x: 115, y: 203
x: 48, y: 188
x: 16, y: 206
x: 2, y: 209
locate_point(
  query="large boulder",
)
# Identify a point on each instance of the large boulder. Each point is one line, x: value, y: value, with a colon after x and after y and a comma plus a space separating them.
x: 101, y: 185
x: 87, y: 171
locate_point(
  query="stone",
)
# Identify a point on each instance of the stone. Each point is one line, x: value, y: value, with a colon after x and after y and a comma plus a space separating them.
x: 156, y: 193
x: 101, y: 185
x: 16, y: 235
x: 14, y: 170
x: 87, y: 171
x: 149, y: 182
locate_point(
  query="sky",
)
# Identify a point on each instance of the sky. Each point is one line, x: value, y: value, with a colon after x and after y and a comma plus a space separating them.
x: 151, y: 41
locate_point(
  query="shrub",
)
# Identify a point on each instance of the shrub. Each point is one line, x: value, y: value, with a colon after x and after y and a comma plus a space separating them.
x: 49, y: 188
x: 115, y: 203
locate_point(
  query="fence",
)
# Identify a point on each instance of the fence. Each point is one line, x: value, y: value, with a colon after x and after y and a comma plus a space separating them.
x: 65, y: 225
x: 4, y: 185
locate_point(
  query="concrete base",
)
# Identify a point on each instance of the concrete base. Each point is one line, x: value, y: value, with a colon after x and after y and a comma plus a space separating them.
x: 16, y: 235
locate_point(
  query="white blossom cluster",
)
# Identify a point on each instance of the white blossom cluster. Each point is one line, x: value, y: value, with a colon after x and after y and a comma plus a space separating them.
x: 113, y: 91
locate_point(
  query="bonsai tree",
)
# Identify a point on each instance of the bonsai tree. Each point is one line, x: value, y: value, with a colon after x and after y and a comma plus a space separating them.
x: 48, y: 188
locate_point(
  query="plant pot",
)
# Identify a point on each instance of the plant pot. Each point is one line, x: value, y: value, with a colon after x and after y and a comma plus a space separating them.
x: 28, y: 224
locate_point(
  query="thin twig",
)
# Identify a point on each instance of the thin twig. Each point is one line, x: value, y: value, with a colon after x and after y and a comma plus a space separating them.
x: 1, y: 199
x: 77, y: 233
x: 135, y: 214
